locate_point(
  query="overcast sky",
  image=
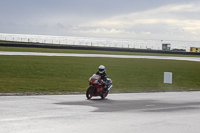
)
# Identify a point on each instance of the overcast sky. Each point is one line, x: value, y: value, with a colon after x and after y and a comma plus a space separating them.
x: 137, y: 19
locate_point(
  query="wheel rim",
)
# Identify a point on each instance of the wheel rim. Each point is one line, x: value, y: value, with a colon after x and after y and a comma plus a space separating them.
x: 89, y: 93
x: 105, y: 95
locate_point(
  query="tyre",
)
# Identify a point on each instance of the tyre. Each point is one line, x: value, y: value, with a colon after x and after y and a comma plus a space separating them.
x: 89, y: 93
x: 104, y: 95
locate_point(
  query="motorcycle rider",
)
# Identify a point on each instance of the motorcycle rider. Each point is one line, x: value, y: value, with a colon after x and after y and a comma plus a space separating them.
x: 103, y: 75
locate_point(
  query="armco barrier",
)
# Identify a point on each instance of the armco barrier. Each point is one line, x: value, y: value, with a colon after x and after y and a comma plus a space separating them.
x: 56, y: 46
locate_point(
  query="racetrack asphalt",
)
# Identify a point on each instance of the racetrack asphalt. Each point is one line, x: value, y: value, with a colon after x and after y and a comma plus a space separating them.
x: 101, y: 55
x: 164, y: 112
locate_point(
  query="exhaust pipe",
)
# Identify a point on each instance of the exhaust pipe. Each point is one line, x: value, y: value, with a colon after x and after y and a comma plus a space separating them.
x: 110, y: 87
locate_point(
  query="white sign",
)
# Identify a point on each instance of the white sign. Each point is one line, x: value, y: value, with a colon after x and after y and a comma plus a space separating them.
x: 168, y: 77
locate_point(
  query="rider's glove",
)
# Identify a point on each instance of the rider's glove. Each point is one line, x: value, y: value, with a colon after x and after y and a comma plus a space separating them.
x: 100, y: 83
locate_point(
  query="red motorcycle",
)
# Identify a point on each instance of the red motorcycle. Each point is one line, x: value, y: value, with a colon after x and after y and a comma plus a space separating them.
x: 96, y: 88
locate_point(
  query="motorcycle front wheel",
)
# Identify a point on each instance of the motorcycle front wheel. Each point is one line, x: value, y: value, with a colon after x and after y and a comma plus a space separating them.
x: 89, y: 93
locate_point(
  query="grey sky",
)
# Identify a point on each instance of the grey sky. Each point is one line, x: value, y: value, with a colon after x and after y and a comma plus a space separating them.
x: 144, y: 19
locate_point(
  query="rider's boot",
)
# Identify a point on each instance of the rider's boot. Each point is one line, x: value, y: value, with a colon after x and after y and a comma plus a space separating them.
x: 105, y: 88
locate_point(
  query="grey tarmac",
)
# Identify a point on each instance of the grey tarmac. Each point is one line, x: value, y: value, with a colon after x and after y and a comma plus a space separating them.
x: 101, y: 55
x: 163, y: 112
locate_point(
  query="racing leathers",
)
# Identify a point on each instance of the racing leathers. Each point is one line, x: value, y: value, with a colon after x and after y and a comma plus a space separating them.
x: 104, y: 78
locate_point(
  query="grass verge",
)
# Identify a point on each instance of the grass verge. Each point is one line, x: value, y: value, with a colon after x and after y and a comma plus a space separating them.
x: 20, y: 74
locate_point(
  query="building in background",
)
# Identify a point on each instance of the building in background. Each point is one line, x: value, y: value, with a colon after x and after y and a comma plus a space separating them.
x: 166, y: 46
x: 194, y: 49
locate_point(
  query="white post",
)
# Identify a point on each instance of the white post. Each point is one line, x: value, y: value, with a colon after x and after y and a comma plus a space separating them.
x: 168, y: 77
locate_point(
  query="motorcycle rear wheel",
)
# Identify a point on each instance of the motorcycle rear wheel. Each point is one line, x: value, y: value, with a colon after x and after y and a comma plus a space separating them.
x: 89, y: 93
x: 104, y: 95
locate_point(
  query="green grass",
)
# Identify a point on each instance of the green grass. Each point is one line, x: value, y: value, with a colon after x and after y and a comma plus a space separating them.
x: 70, y: 74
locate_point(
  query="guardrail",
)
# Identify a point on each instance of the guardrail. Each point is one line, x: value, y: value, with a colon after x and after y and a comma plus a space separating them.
x: 57, y: 46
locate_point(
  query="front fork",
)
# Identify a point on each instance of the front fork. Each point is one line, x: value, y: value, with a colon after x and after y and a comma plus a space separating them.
x: 93, y: 89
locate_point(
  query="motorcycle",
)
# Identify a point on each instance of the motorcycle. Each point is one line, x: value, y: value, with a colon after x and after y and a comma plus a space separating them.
x: 95, y: 87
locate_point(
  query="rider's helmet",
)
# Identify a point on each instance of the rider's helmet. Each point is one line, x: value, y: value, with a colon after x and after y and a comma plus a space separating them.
x: 101, y: 69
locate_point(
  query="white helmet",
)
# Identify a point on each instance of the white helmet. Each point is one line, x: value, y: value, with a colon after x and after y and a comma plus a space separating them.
x: 101, y: 68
